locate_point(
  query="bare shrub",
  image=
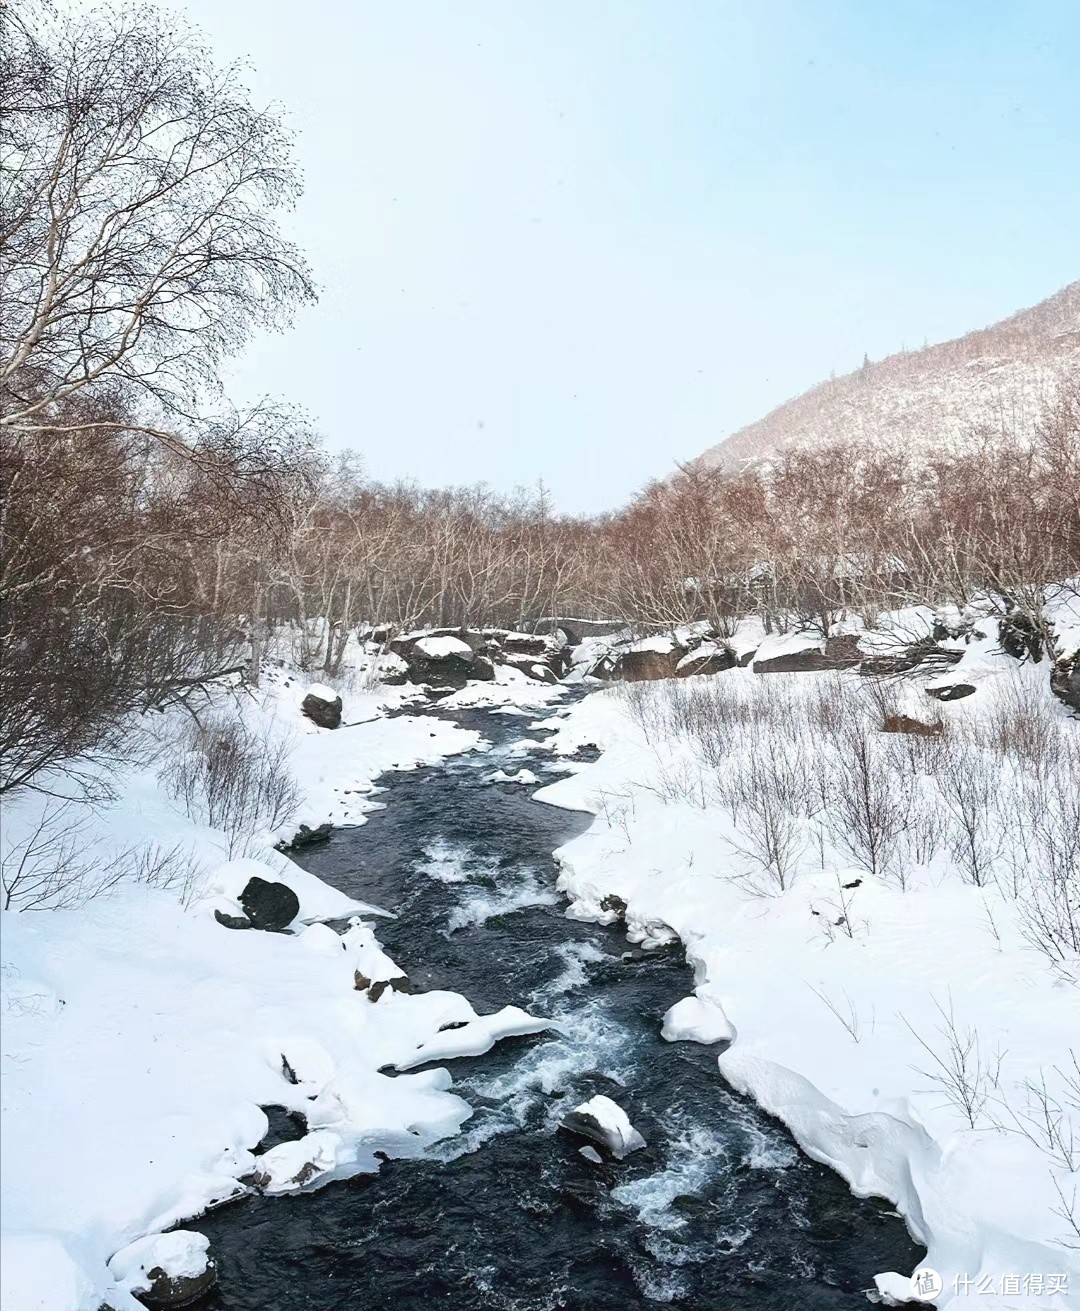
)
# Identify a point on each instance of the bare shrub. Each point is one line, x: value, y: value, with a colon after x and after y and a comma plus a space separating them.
x: 1022, y: 727
x: 960, y: 1067
x: 232, y: 779
x: 768, y: 801
x: 1049, y: 899
x: 969, y: 785
x: 869, y: 808
x: 55, y: 867
x: 1050, y: 1116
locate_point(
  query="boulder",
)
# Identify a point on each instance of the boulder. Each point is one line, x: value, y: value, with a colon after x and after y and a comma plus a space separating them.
x: 440, y: 659
x: 951, y: 691
x: 1065, y: 680
x: 642, y: 666
x: 307, y: 837
x: 713, y: 660
x: 268, y: 905
x: 322, y: 706
x: 605, y: 1122
x: 166, y: 1270
x: 399, y: 983
x: 483, y: 669
x: 836, y: 653
x: 232, y: 921
x: 612, y: 904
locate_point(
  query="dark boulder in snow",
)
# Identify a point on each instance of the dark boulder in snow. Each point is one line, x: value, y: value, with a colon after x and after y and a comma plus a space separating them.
x: 452, y: 657
x: 1065, y: 680
x: 399, y: 983
x: 648, y: 665
x: 483, y: 669
x: 441, y: 660
x: 710, y: 659
x: 951, y: 691
x: 322, y: 706
x: 271, y: 906
x: 613, y: 904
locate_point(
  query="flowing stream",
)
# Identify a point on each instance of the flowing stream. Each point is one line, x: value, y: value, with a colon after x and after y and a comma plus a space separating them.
x: 721, y: 1210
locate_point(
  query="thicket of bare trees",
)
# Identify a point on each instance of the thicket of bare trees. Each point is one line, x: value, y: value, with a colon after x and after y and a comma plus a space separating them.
x: 152, y: 537
x: 819, y: 533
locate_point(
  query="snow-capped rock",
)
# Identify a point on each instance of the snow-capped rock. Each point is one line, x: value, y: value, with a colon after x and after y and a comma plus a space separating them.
x: 605, y: 1122
x: 166, y: 1270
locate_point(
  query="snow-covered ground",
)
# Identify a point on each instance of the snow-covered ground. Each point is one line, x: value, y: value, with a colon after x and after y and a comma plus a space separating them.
x: 907, y: 1026
x: 141, y: 1036
x: 904, y: 1024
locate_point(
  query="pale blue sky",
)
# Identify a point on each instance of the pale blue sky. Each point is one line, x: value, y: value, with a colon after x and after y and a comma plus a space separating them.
x: 581, y: 239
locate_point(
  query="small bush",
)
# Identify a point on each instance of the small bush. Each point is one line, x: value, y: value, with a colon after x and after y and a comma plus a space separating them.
x: 232, y: 779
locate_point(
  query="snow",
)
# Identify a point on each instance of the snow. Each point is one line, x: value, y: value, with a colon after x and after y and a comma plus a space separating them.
x: 829, y: 1025
x: 442, y: 648
x: 476, y: 1036
x: 613, y: 1124
x: 698, y: 1019
x: 524, y: 777
x: 38, y: 1273
x: 894, y: 1289
x: 287, y: 1167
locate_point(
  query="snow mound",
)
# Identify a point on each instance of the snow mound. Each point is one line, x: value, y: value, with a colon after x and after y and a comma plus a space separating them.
x: 477, y: 1036
x: 697, y: 1019
x: 442, y: 648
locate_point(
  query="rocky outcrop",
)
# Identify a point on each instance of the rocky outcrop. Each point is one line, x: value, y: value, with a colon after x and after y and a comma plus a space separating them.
x: 449, y: 658
x: 709, y: 659
x: 268, y: 905
x: 834, y: 653
x: 322, y: 706
x: 1065, y: 680
x: 167, y: 1270
x: 306, y: 837
x: 640, y: 666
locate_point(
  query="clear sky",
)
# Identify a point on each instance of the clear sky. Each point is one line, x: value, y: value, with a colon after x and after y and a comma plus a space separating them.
x: 578, y: 240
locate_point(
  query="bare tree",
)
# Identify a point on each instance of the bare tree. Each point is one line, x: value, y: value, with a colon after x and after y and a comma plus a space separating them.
x: 139, y: 243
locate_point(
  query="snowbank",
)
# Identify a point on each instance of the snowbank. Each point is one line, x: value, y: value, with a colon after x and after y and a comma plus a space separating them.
x: 840, y: 1035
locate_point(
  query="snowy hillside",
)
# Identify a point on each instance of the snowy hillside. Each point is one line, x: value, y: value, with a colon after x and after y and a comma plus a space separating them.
x: 940, y: 397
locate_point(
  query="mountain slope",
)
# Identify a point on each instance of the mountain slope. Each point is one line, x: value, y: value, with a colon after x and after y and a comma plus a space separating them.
x: 933, y: 399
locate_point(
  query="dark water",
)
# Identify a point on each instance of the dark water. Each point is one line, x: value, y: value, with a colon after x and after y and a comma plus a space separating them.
x: 721, y: 1210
